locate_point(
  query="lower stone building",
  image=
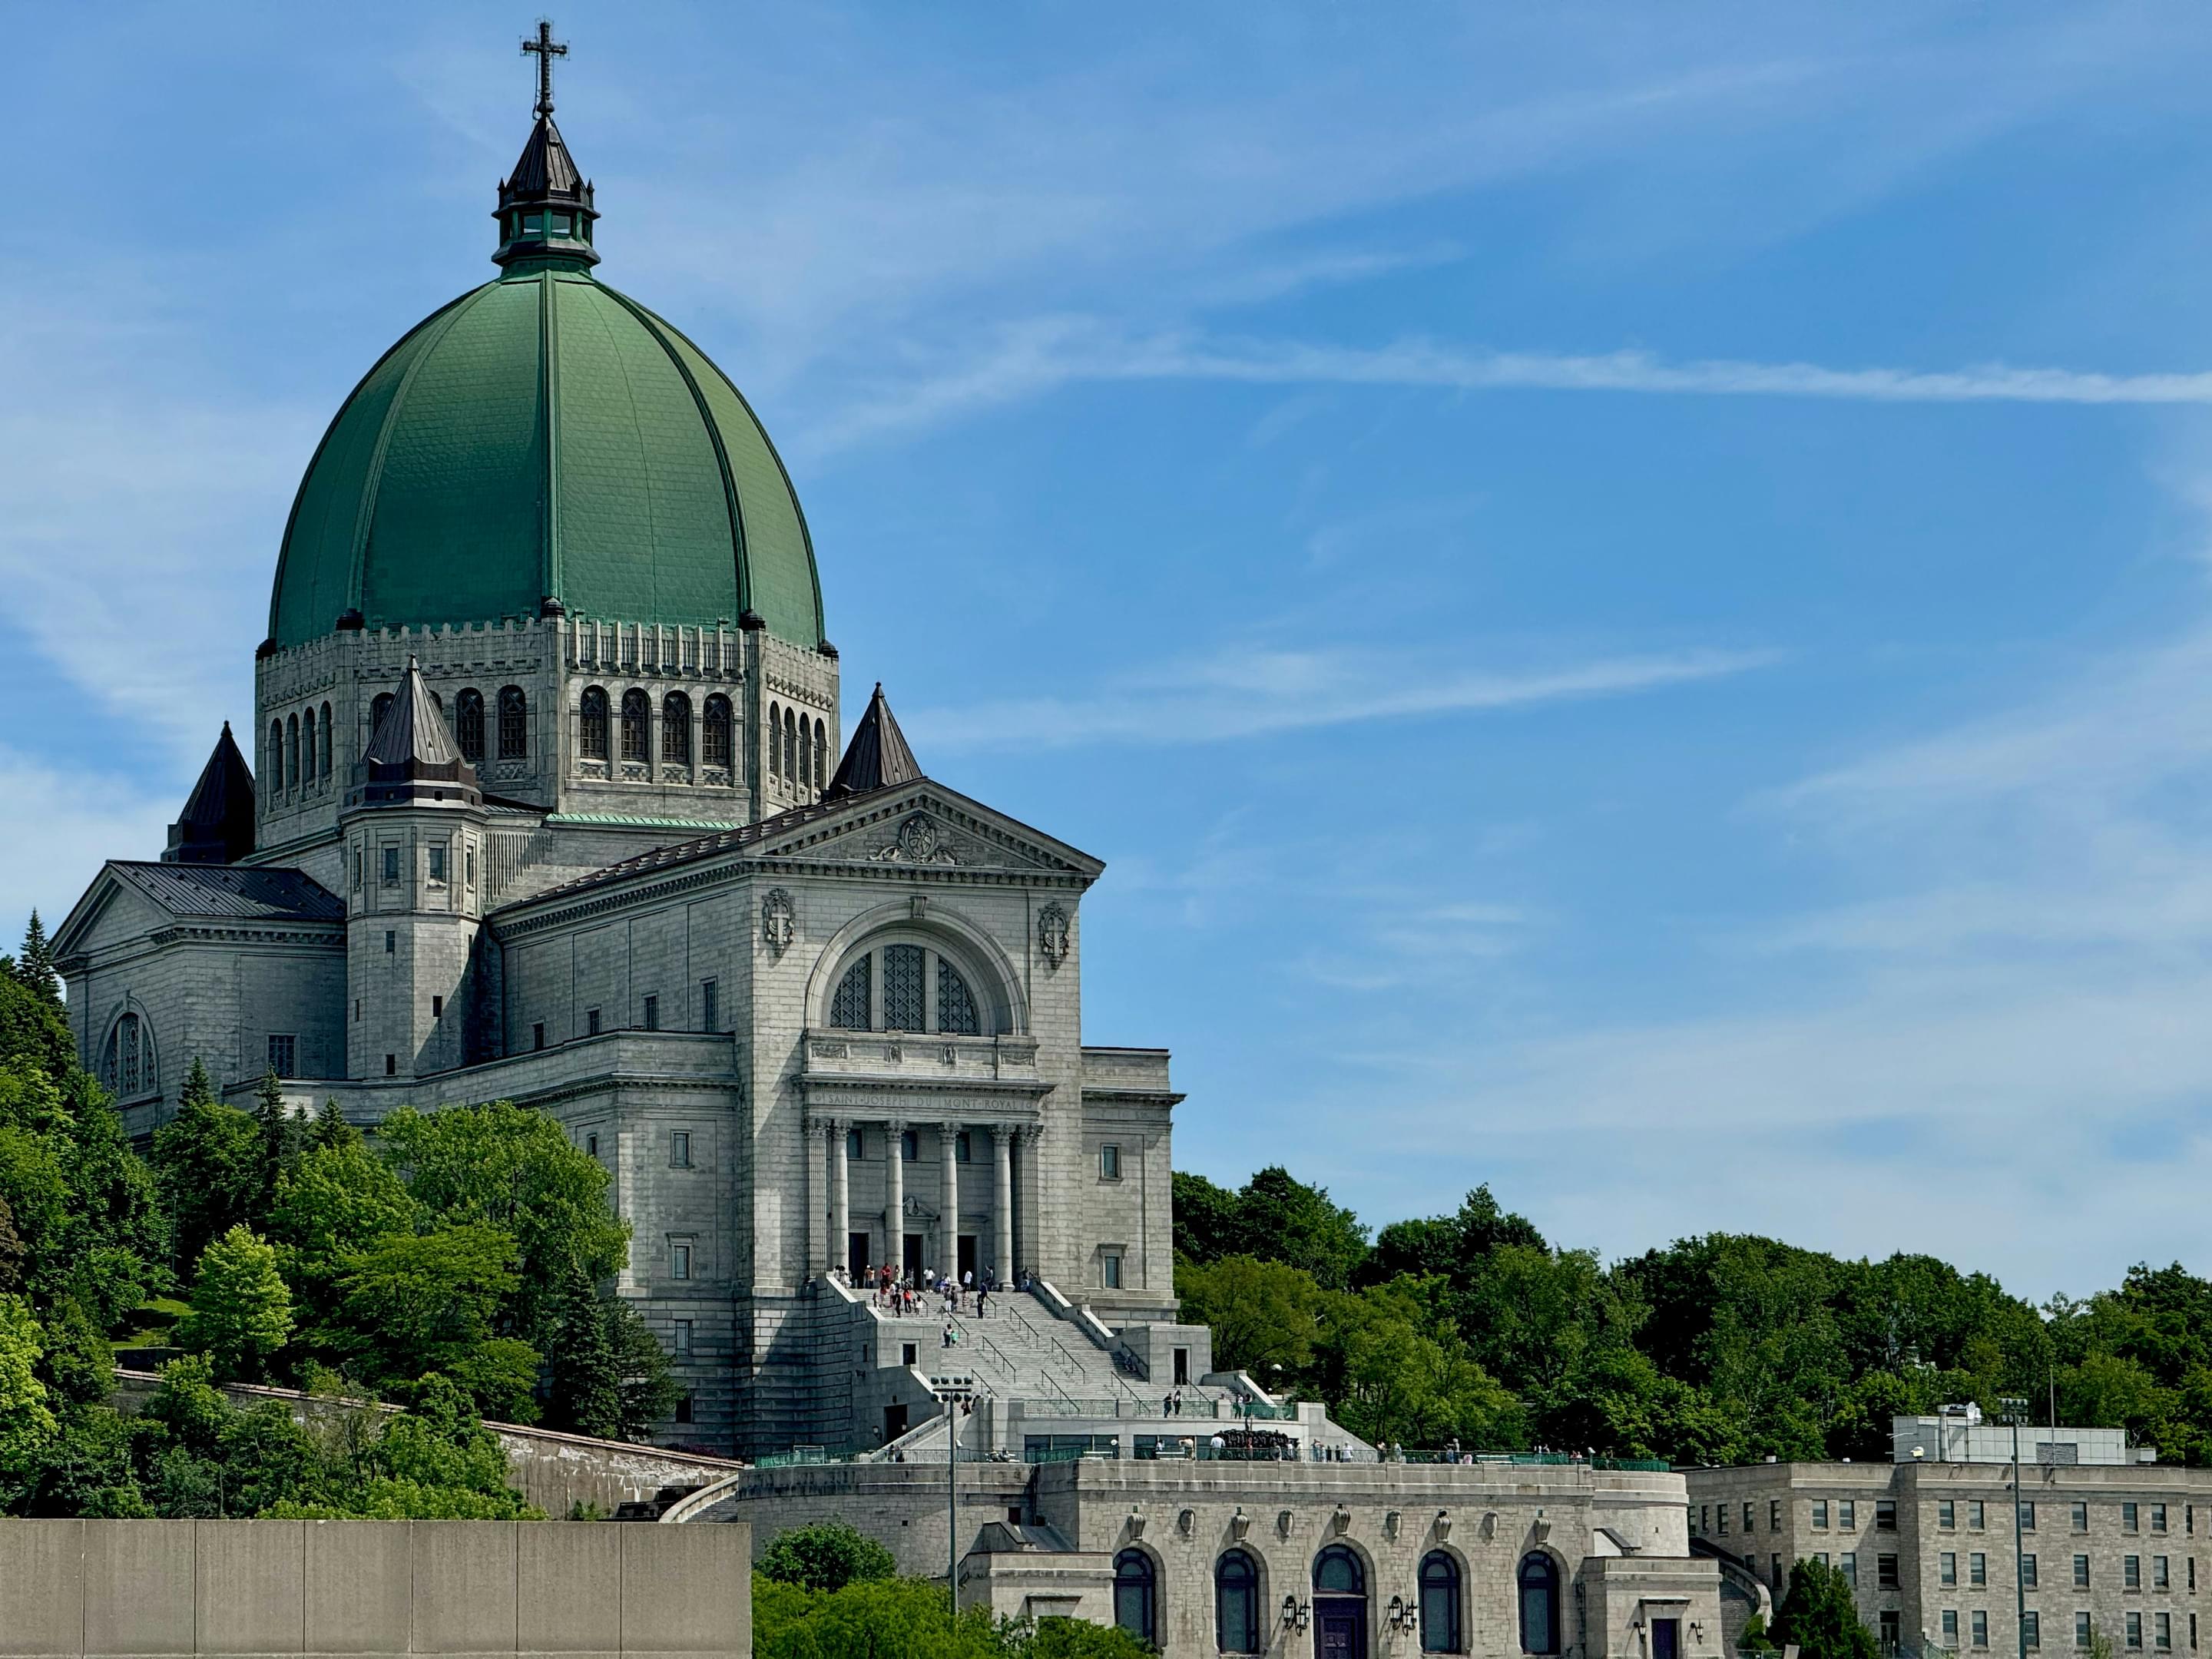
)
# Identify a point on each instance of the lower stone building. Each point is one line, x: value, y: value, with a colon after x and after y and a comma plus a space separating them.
x: 2112, y: 1546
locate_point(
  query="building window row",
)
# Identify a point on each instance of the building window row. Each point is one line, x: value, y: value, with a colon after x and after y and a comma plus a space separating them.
x: 1340, y: 1606
x: 595, y: 731
x: 797, y: 748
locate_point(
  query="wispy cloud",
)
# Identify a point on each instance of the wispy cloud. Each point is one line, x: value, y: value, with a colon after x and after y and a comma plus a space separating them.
x: 1242, y: 693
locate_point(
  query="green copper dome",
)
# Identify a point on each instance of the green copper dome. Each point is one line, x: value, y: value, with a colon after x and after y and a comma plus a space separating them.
x: 544, y: 438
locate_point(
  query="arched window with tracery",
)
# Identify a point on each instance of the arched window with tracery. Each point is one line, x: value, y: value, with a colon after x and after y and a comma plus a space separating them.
x: 676, y: 729
x: 127, y: 1062
x: 1440, y: 1600
x: 775, y: 741
x: 469, y: 725
x: 849, y: 1009
x: 636, y: 721
x: 956, y: 1006
x: 1236, y: 1603
x: 274, y: 770
x: 377, y: 710
x: 292, y: 750
x: 1540, y: 1603
x: 307, y: 743
x: 514, y: 723
x: 1136, y: 1595
x: 717, y: 744
x: 806, y: 755
x: 821, y: 755
x: 591, y: 735
x: 790, y: 747
x: 323, y: 750
x: 898, y: 986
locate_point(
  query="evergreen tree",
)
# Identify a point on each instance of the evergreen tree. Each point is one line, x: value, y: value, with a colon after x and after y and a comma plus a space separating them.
x: 586, y: 1391
x: 278, y: 1137
x: 648, y: 1388
x: 331, y: 1129
x: 208, y: 1159
x: 1819, y: 1613
x: 241, y: 1310
x: 35, y: 966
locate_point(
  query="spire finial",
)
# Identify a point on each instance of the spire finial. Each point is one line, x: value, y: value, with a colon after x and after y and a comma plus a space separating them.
x: 545, y: 49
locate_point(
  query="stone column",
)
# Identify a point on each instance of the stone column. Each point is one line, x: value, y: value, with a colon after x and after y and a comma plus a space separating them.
x: 894, y: 1199
x: 948, y: 1143
x: 1002, y: 1200
x: 841, y: 1197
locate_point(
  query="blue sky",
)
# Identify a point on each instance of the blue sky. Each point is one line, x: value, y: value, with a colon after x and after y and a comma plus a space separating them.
x: 1624, y: 589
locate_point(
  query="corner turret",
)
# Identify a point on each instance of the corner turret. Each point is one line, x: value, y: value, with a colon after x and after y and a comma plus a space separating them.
x: 217, y: 825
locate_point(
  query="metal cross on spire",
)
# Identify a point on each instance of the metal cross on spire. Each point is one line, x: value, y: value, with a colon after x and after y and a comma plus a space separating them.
x: 545, y: 49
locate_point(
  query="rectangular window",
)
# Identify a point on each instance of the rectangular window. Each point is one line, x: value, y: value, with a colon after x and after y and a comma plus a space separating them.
x: 2028, y: 1572
x: 683, y: 1340
x: 964, y: 1147
x: 1884, y: 1572
x: 1109, y: 1163
x: 437, y: 1007
x: 1820, y: 1514
x: 2161, y: 1632
x: 392, y: 866
x: 652, y: 1013
x: 2031, y: 1628
x: 1774, y: 1570
x: 680, y: 1149
x: 283, y: 1053
x: 392, y: 941
x: 1978, y: 1568
x: 909, y: 1353
x: 2158, y: 1517
x: 1947, y: 1514
x: 684, y: 1409
x: 1774, y: 1515
x: 710, y: 1013
x: 1848, y: 1565
x: 591, y: 1146
x: 2159, y: 1578
x: 856, y: 1146
x: 437, y: 864
x: 2080, y: 1629
x: 1974, y: 1514
x: 1950, y: 1627
x: 591, y: 1022
x: 1821, y: 1556
x: 1720, y: 1513
x: 2132, y: 1572
x: 1884, y: 1515
x: 468, y: 862
x: 1981, y: 1628
x: 2131, y: 1518
x: 1109, y: 1269
x: 679, y: 1260
x: 1892, y: 1631
x: 2080, y: 1517
x: 1847, y: 1514
x: 1750, y: 1525
x: 2192, y: 1574
x: 2134, y: 1630
x: 2028, y: 1516
x: 392, y: 1065
x: 357, y: 869
x: 357, y: 1011
x: 538, y: 1035
x: 2080, y: 1572
x: 910, y: 1146
x: 1947, y: 1568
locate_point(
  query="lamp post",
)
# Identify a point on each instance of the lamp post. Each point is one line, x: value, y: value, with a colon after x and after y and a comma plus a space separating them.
x: 2015, y: 1411
x: 952, y: 1393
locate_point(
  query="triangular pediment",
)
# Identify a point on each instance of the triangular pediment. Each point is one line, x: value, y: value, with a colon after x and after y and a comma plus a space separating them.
x: 111, y: 912
x: 923, y: 825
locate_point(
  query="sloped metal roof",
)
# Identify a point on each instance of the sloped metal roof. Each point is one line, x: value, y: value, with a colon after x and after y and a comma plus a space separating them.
x: 231, y: 892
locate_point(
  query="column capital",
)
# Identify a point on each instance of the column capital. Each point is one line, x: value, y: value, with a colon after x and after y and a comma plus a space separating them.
x: 1004, y: 1134
x: 897, y: 1125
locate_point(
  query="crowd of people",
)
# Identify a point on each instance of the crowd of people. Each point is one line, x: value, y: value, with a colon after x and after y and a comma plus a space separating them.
x: 908, y: 1294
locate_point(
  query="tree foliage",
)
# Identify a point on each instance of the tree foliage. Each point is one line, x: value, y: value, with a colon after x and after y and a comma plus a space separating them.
x: 826, y: 1556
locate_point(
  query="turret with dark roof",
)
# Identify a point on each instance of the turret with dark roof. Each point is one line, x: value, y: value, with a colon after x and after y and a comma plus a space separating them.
x: 878, y: 755
x: 411, y: 758
x: 217, y: 826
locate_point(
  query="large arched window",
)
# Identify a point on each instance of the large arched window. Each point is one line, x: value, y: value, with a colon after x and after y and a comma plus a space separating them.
x: 775, y: 741
x: 323, y: 753
x: 676, y: 729
x: 469, y: 725
x: 1135, y: 1596
x: 126, y: 1064
x: 1337, y: 1571
x: 379, y: 707
x: 821, y: 755
x: 790, y: 747
x: 292, y: 750
x: 715, y: 746
x: 636, y: 716
x: 900, y: 987
x: 1236, y: 1603
x: 591, y: 738
x: 307, y: 743
x: 1440, y: 1631
x: 805, y: 756
x: 1540, y: 1603
x: 274, y: 768
x: 514, y: 723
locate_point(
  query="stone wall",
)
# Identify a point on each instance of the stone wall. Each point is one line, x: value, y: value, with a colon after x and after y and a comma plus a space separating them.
x: 73, y: 1590
x: 902, y: 1505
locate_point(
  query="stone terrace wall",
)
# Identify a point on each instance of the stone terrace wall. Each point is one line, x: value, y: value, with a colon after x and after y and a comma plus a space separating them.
x: 87, y: 1589
x: 901, y: 1505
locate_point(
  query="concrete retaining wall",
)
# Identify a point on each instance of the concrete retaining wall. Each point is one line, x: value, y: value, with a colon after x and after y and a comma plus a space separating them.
x: 346, y: 1589
x: 902, y: 1505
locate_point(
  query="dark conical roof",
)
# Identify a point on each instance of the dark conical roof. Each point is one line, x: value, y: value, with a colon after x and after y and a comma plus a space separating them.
x: 217, y: 827
x: 545, y: 210
x: 877, y: 757
x: 412, y: 757
x: 545, y: 166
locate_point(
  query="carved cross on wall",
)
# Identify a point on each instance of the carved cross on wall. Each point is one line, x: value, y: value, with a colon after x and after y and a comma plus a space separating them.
x: 545, y: 49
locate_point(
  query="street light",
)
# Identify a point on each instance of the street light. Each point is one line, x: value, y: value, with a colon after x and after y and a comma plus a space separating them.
x: 953, y: 1393
x: 2015, y: 1412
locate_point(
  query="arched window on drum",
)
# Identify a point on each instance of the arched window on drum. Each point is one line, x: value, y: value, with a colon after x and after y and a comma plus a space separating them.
x: 902, y: 987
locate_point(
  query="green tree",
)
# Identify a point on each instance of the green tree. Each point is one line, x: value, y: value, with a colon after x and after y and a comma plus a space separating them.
x: 1206, y: 1218
x: 330, y: 1129
x: 1820, y: 1615
x: 410, y: 1305
x: 1396, y: 1372
x: 241, y: 1309
x: 1280, y: 1218
x: 647, y: 1387
x: 827, y: 1555
x: 1264, y: 1314
x: 585, y: 1391
x: 279, y: 1136
x: 27, y: 1422
x: 209, y: 1164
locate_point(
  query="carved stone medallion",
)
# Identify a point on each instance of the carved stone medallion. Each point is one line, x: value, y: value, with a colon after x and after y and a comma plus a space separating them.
x: 920, y: 842
x: 1053, y: 933
x: 778, y: 922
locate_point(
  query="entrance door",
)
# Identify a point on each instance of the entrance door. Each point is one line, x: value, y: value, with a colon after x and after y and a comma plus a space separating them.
x: 911, y: 1258
x: 894, y: 1423
x: 967, y: 1255
x: 1339, y: 1629
x: 856, y: 1256
x: 1666, y: 1639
